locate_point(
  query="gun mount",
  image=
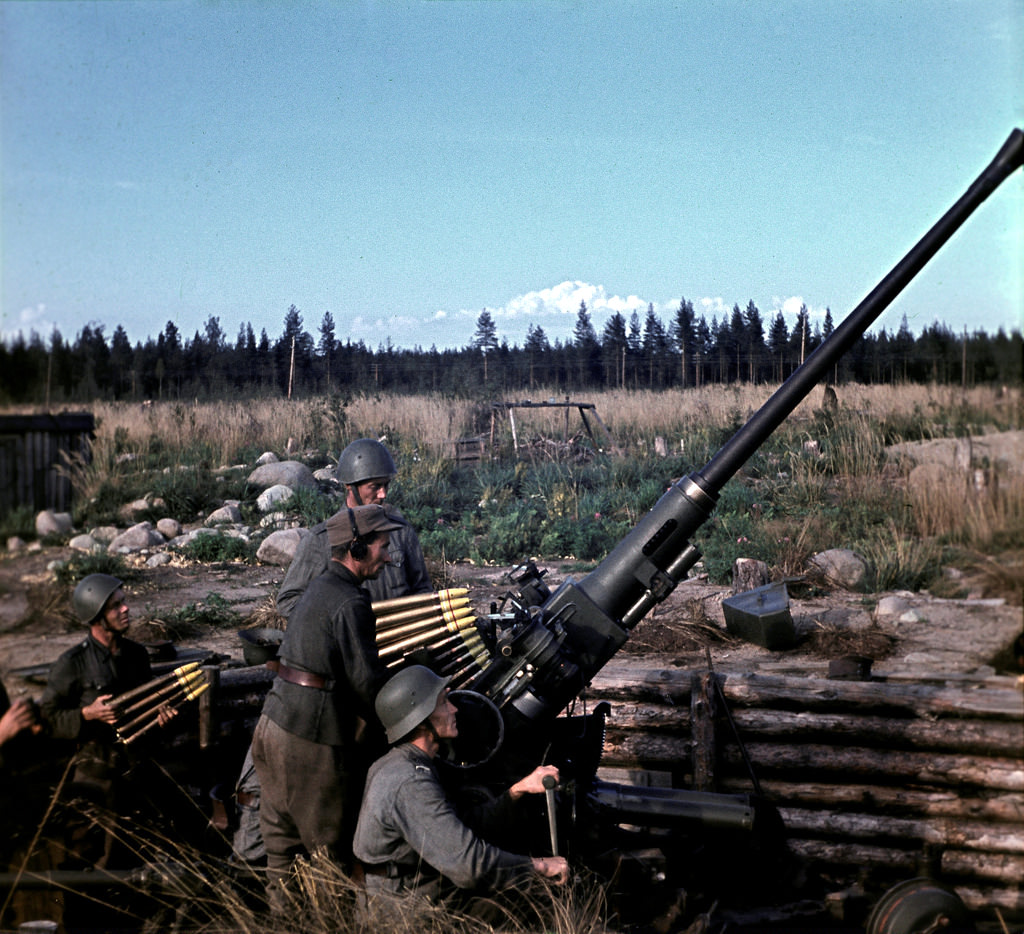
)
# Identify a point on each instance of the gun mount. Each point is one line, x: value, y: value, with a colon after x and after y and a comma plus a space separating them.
x: 544, y: 647
x: 558, y: 642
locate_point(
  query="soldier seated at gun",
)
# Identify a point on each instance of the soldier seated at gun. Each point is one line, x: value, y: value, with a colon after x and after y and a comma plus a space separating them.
x: 409, y: 839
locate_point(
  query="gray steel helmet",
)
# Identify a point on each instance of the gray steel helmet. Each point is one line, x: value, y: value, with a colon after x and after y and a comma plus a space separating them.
x: 363, y: 460
x: 408, y: 699
x: 91, y: 594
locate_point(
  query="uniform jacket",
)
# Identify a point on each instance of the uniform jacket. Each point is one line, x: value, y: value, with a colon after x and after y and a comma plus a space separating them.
x: 83, y: 673
x: 407, y: 822
x: 406, y: 574
x: 331, y: 633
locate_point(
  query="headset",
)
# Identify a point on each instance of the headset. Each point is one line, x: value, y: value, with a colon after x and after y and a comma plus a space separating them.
x: 357, y: 547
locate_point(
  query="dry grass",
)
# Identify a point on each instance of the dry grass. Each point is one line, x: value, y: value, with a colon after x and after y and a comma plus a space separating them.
x: 180, y: 888
x: 430, y: 421
x: 827, y: 640
x: 963, y: 511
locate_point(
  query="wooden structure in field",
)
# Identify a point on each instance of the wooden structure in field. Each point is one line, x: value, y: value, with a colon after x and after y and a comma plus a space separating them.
x: 898, y: 775
x: 32, y: 449
x: 583, y: 407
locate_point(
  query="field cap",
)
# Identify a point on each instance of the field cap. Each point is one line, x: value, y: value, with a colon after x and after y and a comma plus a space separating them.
x: 368, y: 519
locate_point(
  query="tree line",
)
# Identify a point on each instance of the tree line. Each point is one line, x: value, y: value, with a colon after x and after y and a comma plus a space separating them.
x: 633, y: 353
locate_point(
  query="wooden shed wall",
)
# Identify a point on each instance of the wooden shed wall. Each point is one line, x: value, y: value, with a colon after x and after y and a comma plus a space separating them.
x: 31, y: 449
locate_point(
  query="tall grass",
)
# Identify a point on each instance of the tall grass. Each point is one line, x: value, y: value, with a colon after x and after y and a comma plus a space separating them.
x: 823, y: 479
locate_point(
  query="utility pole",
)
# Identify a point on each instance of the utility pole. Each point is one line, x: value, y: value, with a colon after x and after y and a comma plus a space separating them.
x: 291, y: 369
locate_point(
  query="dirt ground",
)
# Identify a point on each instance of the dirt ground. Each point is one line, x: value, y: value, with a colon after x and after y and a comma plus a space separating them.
x: 910, y: 634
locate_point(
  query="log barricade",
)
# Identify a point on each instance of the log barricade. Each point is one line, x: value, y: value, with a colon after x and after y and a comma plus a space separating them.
x: 876, y: 780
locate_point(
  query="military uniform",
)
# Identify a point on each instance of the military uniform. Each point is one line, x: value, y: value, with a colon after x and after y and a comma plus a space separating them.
x: 306, y: 747
x: 406, y: 574
x: 83, y: 673
x: 409, y: 833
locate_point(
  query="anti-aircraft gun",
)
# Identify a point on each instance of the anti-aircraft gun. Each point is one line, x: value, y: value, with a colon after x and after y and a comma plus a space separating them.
x: 544, y: 648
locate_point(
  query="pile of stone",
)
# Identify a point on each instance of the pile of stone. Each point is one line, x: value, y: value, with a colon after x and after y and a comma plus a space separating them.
x: 278, y: 533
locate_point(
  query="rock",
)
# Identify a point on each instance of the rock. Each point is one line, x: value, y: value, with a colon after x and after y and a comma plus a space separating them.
x: 158, y: 560
x: 105, y: 534
x: 267, y: 457
x: 289, y: 473
x: 140, y: 536
x: 84, y: 543
x: 15, y: 543
x: 229, y: 512
x: 130, y: 509
x: 891, y: 606
x: 841, y: 567
x: 49, y: 522
x: 327, y: 474
x: 279, y: 547
x: 169, y: 528
x: 279, y: 520
x: 274, y: 496
x: 182, y: 540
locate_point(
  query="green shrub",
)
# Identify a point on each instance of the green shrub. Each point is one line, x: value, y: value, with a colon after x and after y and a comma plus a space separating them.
x: 214, y: 546
x: 214, y: 612
x: 186, y: 491
x: 446, y: 542
x: 78, y: 566
x: 20, y: 521
x: 508, y: 536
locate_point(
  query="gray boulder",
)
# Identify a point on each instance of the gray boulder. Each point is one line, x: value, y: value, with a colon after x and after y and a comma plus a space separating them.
x: 105, y: 534
x: 293, y: 474
x: 49, y: 522
x: 84, y: 543
x: 841, y: 567
x: 229, y: 513
x: 267, y: 457
x: 279, y: 547
x: 140, y: 536
x: 273, y: 496
x: 169, y: 528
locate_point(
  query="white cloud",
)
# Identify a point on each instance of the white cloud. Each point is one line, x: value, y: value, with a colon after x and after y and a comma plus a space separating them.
x: 790, y: 308
x: 34, y: 318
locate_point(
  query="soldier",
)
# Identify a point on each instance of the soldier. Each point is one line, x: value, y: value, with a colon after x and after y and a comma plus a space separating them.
x: 14, y: 719
x: 366, y: 469
x: 106, y: 663
x: 75, y: 707
x: 409, y: 835
x: 305, y: 746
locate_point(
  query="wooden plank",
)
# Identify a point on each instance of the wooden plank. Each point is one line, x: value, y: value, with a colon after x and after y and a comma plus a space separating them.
x: 672, y: 686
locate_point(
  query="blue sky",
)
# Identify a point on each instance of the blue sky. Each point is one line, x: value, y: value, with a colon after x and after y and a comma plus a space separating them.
x: 405, y: 165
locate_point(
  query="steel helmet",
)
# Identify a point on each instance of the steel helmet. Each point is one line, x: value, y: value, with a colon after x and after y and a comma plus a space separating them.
x: 363, y: 460
x: 91, y: 594
x: 408, y: 699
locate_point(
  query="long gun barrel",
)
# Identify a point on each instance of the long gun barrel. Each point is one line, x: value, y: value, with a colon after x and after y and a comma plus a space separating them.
x: 582, y: 625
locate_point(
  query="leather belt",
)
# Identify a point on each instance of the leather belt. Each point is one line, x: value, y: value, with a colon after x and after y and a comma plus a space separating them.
x: 387, y: 870
x: 372, y: 869
x: 305, y: 678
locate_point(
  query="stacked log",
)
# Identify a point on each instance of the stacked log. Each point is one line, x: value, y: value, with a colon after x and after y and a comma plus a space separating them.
x: 876, y: 780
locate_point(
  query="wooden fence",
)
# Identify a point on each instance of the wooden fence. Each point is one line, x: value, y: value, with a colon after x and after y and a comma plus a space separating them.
x: 881, y: 779
x: 31, y: 449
